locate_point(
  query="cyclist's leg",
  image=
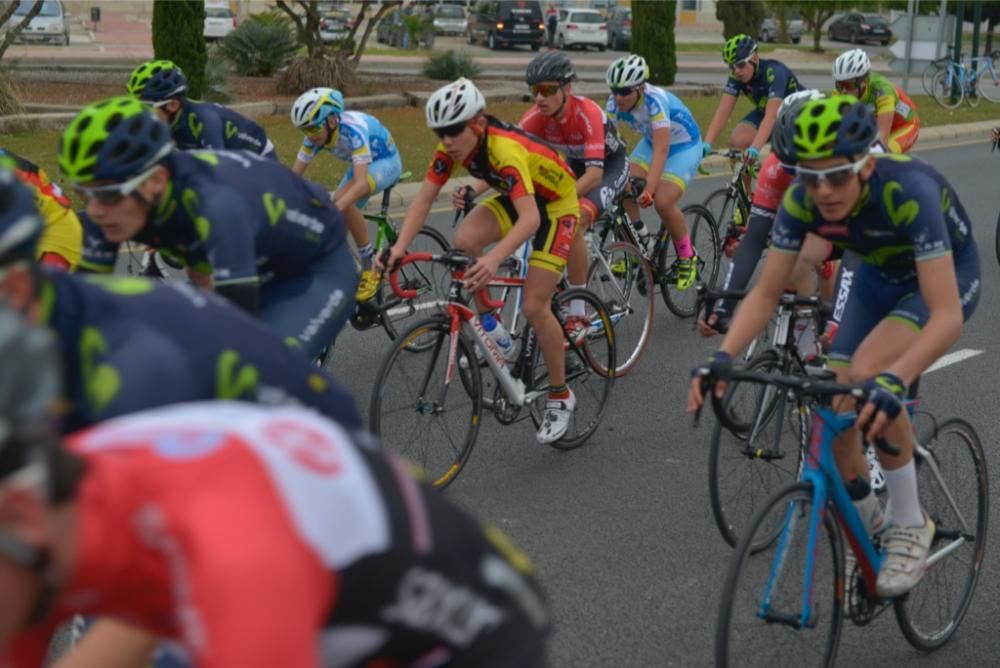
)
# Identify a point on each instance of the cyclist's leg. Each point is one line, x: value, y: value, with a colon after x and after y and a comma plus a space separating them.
x: 382, y: 174
x: 902, y: 139
x: 355, y: 222
x: 677, y: 173
x: 743, y: 134
x: 487, y: 223
x: 310, y: 309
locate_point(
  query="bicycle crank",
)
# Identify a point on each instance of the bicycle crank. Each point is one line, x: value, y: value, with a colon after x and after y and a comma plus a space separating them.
x: 503, y: 409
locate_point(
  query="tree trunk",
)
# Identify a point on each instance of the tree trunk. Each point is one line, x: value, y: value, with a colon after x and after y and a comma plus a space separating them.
x: 307, y: 27
x: 372, y: 23
x: 14, y: 30
x: 989, y: 38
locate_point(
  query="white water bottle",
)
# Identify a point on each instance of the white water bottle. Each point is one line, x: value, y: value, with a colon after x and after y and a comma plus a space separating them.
x: 499, y: 334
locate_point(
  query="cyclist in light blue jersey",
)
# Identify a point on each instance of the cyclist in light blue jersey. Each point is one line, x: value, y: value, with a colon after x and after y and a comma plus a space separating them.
x: 362, y: 141
x: 669, y: 153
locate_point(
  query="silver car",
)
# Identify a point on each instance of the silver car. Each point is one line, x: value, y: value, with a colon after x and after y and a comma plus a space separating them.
x: 49, y: 25
x: 769, y: 30
x: 450, y: 20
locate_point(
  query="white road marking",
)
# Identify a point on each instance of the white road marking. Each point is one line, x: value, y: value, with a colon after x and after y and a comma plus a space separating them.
x: 953, y: 358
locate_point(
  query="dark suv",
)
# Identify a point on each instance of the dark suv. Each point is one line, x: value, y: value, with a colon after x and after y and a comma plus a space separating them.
x: 506, y: 23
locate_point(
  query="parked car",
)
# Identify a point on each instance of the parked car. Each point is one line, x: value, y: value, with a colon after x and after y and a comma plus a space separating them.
x: 620, y: 28
x: 390, y: 28
x: 219, y: 21
x: 335, y: 25
x: 856, y: 27
x: 500, y: 23
x: 49, y: 25
x: 581, y: 27
x: 769, y: 30
x: 450, y: 20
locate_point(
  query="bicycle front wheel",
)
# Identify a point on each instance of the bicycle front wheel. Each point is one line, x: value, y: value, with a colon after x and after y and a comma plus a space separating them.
x: 927, y: 78
x: 783, y: 606
x: 590, y: 368
x: 680, y: 296
x: 417, y: 411
x: 989, y: 85
x: 622, y: 279
x: 954, y: 491
x: 945, y: 84
x: 429, y: 280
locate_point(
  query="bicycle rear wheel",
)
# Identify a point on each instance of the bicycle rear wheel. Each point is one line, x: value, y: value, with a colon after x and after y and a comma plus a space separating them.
x: 762, y: 599
x: 989, y: 85
x: 590, y: 369
x: 429, y: 280
x: 927, y: 77
x: 944, y: 84
x: 417, y: 412
x: 746, y: 467
x: 955, y: 469
x: 704, y: 234
x: 623, y: 281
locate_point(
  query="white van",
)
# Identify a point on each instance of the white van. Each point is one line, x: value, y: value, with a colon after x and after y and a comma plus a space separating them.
x: 49, y: 25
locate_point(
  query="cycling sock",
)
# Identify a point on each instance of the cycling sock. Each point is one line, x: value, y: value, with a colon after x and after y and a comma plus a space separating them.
x: 577, y: 306
x: 559, y: 392
x: 683, y: 247
x: 367, y: 252
x: 902, y: 486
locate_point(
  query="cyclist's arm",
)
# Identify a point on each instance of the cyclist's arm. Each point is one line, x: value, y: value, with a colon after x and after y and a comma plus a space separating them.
x: 110, y: 644
x: 764, y: 131
x: 661, y: 151
x: 213, y: 134
x: 305, y: 156
x: 885, y: 125
x: 592, y: 177
x: 726, y: 106
x: 354, y: 189
x: 299, y: 168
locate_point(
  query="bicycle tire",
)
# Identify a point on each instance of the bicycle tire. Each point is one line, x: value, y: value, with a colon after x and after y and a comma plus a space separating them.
x: 426, y: 279
x: 722, y: 204
x: 704, y: 234
x: 742, y: 638
x: 990, y: 90
x: 589, y: 369
x: 941, y: 87
x: 996, y: 240
x: 395, y: 413
x: 972, y: 92
x: 972, y: 484
x: 927, y: 76
x: 744, y: 468
x: 623, y: 280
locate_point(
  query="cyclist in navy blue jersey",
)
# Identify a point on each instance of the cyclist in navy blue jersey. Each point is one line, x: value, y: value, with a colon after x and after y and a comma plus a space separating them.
x: 264, y: 238
x: 162, y: 85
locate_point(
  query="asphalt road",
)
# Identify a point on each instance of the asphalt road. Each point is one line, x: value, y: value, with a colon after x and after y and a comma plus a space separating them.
x: 620, y: 530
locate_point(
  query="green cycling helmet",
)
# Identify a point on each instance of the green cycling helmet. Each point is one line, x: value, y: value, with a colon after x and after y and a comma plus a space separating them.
x: 113, y: 140
x: 834, y: 126
x: 739, y: 47
x: 157, y: 81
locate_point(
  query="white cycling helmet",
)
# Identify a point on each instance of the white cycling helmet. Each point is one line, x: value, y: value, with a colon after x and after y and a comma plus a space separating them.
x: 304, y: 109
x: 628, y: 72
x: 807, y: 94
x: 457, y: 102
x: 851, y: 64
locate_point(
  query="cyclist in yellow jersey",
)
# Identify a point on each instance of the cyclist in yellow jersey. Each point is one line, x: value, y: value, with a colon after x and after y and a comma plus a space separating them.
x: 536, y: 199
x: 62, y: 240
x: 898, y: 123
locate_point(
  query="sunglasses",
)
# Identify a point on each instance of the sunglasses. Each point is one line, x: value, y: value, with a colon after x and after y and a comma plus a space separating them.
x: 113, y: 193
x: 739, y: 64
x: 845, y: 86
x: 622, y: 92
x: 835, y: 176
x: 545, y: 90
x: 451, y: 130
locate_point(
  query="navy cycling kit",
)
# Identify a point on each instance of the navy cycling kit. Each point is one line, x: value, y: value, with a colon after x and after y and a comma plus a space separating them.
x: 129, y: 344
x: 251, y: 223
x: 772, y: 80
x: 908, y: 213
x: 209, y: 125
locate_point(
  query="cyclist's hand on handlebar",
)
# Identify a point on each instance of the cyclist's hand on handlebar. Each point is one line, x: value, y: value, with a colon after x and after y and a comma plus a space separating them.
x: 481, y: 273
x: 386, y: 261
x: 711, y: 326
x: 710, y: 374
x: 645, y: 199
x: 885, y: 400
x: 461, y: 197
x: 706, y: 149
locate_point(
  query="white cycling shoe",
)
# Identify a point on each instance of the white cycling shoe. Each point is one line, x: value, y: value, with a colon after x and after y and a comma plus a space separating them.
x: 555, y: 420
x: 905, y: 558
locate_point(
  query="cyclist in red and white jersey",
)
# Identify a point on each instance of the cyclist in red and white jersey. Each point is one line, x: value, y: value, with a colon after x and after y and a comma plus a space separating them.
x: 578, y: 128
x: 254, y: 537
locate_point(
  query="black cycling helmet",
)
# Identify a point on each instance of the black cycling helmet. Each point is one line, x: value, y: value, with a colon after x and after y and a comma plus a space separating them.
x: 550, y: 66
x: 20, y: 223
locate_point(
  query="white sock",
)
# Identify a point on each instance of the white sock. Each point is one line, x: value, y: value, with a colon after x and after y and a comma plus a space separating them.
x: 577, y: 306
x: 902, y: 487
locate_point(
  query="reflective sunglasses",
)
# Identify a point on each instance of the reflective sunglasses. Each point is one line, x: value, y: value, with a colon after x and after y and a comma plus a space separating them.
x: 622, y: 92
x: 739, y: 64
x: 846, y: 86
x: 112, y: 193
x: 545, y: 90
x: 835, y: 176
x: 451, y: 130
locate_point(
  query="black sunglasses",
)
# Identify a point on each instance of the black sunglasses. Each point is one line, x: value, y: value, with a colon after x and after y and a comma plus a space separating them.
x: 451, y: 130
x: 622, y: 92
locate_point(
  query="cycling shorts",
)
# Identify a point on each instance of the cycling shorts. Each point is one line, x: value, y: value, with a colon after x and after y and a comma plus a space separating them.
x: 612, y: 183
x: 382, y: 173
x: 753, y: 118
x: 308, y: 310
x: 552, y: 241
x: 872, y: 299
x: 772, y: 183
x: 902, y: 139
x: 681, y: 165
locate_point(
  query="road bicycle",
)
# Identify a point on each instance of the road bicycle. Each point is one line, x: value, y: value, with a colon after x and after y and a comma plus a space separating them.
x: 785, y: 595
x: 933, y: 67
x: 730, y: 205
x: 974, y: 82
x: 419, y: 409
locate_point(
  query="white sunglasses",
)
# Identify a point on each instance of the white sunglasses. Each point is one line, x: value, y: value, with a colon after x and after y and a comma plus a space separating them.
x: 835, y: 176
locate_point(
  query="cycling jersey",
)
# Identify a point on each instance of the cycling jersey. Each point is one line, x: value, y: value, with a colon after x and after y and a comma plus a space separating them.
x: 209, y: 125
x: 129, y: 344
x: 907, y: 213
x: 771, y: 80
x: 359, y: 138
x: 62, y: 235
x: 882, y: 96
x: 268, y: 537
x: 655, y: 109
